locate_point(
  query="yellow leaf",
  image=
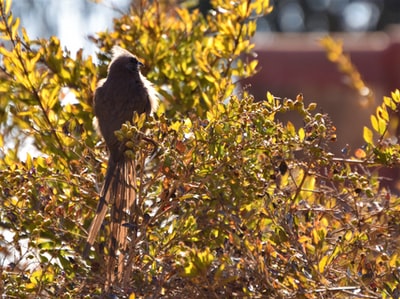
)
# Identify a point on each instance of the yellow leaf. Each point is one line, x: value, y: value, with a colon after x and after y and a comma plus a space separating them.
x: 210, y: 116
x: 348, y: 235
x: 390, y: 103
x: 221, y: 108
x: 41, y: 161
x: 304, y: 239
x: 28, y: 161
x: 334, y: 254
x: 239, y: 138
x: 176, y: 126
x: 382, y: 113
x: 219, y: 128
x: 188, y: 123
x: 322, y: 264
x: 8, y: 6
x: 290, y: 127
x: 382, y: 126
x: 270, y: 98
x: 368, y: 135
x: 190, y: 270
x: 243, y: 9
x: 293, y: 282
x: 393, y: 260
x: 14, y: 28
x: 141, y: 121
x: 396, y: 96
x: 374, y: 123
x: 315, y: 236
x: 302, y: 134
x: 52, y: 116
x: 206, y: 99
x: 24, y: 35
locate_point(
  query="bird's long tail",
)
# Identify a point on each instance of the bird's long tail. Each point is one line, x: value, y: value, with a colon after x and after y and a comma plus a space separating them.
x: 119, y: 191
x: 121, y: 217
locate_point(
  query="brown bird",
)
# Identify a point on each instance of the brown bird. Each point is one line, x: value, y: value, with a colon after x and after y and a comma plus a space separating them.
x: 117, y: 97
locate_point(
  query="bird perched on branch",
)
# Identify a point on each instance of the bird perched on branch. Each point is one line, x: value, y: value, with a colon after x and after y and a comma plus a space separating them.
x: 117, y: 97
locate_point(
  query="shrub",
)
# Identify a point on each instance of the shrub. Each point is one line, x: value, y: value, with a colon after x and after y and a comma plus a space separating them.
x: 234, y: 203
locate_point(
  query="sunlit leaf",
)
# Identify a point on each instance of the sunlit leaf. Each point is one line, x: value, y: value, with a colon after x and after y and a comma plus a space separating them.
x: 323, y: 263
x: 368, y: 135
x: 8, y: 6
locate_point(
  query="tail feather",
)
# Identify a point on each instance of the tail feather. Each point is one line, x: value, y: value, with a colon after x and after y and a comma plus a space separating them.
x: 102, y: 207
x: 125, y: 199
x: 119, y: 191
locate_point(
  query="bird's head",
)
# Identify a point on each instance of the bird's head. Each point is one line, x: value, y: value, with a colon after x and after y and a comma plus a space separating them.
x: 123, y: 61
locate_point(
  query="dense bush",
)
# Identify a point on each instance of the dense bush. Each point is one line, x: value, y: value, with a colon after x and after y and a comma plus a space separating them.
x: 233, y: 203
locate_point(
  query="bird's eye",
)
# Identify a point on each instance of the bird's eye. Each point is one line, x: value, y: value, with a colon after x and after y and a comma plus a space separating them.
x: 134, y: 61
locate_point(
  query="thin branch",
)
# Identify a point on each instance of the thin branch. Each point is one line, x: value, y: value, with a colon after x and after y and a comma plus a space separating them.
x: 345, y: 290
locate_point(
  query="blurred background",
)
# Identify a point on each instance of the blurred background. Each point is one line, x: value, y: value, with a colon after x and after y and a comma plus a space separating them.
x: 291, y: 59
x: 331, y: 15
x: 70, y: 20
